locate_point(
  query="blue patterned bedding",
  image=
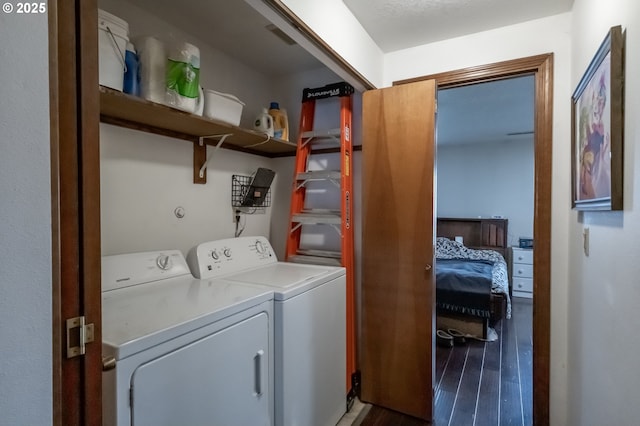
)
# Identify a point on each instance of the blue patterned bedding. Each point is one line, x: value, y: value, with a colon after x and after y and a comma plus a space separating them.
x: 449, y: 249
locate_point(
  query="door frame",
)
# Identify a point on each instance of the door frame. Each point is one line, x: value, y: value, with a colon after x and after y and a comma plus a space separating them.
x: 541, y: 67
x: 75, y: 207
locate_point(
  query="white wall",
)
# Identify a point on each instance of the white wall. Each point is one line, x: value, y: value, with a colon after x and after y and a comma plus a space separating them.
x: 604, y: 294
x: 25, y: 229
x: 145, y: 177
x: 488, y: 179
x: 549, y: 35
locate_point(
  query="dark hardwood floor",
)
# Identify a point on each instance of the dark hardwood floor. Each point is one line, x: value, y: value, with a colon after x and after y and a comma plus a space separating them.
x: 478, y: 383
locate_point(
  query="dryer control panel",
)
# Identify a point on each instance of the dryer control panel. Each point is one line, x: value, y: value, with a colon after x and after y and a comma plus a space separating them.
x: 214, y: 259
x: 126, y: 270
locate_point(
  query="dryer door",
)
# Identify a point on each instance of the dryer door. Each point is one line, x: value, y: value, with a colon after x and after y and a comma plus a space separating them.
x: 222, y: 379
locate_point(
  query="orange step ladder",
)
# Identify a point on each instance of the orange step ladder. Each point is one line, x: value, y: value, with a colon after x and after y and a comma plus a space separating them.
x: 340, y: 218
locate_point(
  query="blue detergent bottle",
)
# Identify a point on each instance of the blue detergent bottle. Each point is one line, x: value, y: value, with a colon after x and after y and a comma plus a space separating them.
x: 131, y: 75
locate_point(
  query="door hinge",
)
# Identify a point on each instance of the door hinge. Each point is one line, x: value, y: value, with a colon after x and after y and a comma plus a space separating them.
x: 77, y: 340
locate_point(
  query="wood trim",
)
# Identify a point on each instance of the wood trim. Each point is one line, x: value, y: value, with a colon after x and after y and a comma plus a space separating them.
x: 77, y: 387
x: 71, y: 370
x: 542, y: 237
x: 541, y: 66
x: 89, y: 194
x: 483, y: 73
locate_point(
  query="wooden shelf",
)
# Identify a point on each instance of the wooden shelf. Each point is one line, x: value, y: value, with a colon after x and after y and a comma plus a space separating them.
x: 137, y: 113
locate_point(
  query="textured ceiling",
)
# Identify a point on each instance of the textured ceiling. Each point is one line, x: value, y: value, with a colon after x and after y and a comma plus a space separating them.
x: 399, y: 24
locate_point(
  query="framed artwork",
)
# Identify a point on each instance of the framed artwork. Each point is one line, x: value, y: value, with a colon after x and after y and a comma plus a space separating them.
x: 597, y: 129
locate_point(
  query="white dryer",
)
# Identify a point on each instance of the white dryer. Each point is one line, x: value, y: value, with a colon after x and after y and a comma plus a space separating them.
x: 310, y: 325
x: 186, y: 351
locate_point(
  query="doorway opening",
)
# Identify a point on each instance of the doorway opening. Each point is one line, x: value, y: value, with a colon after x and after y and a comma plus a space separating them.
x: 485, y: 175
x: 541, y: 68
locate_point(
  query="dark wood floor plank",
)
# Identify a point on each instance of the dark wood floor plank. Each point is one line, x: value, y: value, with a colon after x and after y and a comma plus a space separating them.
x: 510, y: 396
x: 446, y: 392
x: 510, y: 408
x: 464, y: 410
x: 488, y: 398
x: 509, y: 347
x: 442, y: 357
x: 492, y: 356
x: 524, y: 329
x: 487, y: 413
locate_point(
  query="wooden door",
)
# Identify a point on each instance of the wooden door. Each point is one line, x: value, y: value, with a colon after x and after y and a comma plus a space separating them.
x: 398, y: 291
x: 75, y: 113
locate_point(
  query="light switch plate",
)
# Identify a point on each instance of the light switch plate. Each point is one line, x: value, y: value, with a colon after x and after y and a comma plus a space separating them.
x: 585, y: 241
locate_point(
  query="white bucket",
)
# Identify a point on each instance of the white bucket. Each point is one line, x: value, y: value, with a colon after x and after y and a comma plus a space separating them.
x: 113, y: 35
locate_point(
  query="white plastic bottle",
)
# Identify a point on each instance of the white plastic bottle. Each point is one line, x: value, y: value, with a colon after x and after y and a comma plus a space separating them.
x: 264, y: 122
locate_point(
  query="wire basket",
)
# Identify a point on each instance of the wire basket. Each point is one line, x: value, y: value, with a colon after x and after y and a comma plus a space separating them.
x: 240, y: 187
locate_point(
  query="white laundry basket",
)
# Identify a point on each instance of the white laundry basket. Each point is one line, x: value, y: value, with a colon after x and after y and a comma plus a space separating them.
x: 113, y: 35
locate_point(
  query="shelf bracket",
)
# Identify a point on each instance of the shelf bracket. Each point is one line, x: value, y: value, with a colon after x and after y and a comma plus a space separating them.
x: 201, y: 144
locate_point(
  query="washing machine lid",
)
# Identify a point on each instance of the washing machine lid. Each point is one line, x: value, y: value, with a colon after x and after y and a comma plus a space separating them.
x: 140, y: 317
x: 288, y: 279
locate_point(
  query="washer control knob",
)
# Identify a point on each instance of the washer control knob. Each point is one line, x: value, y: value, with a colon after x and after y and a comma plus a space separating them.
x: 227, y: 252
x: 260, y: 248
x: 164, y: 262
x: 215, y: 255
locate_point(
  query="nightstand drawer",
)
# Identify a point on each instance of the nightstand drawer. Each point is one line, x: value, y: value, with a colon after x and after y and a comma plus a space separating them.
x: 523, y: 284
x: 523, y: 256
x: 522, y: 271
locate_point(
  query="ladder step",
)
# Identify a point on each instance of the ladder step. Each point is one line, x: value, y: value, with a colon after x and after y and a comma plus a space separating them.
x: 315, y: 260
x: 322, y: 135
x: 317, y: 217
x: 320, y: 253
x: 320, y: 175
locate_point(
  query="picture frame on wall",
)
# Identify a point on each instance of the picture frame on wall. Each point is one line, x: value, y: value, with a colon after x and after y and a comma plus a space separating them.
x: 597, y: 126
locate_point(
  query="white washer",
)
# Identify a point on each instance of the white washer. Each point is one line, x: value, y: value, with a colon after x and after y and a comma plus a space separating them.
x: 187, y: 351
x: 310, y: 325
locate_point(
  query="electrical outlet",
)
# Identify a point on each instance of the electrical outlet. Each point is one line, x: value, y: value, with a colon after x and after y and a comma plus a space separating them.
x: 235, y: 217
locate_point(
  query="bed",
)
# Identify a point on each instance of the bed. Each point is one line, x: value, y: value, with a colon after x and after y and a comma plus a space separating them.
x: 471, y: 277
